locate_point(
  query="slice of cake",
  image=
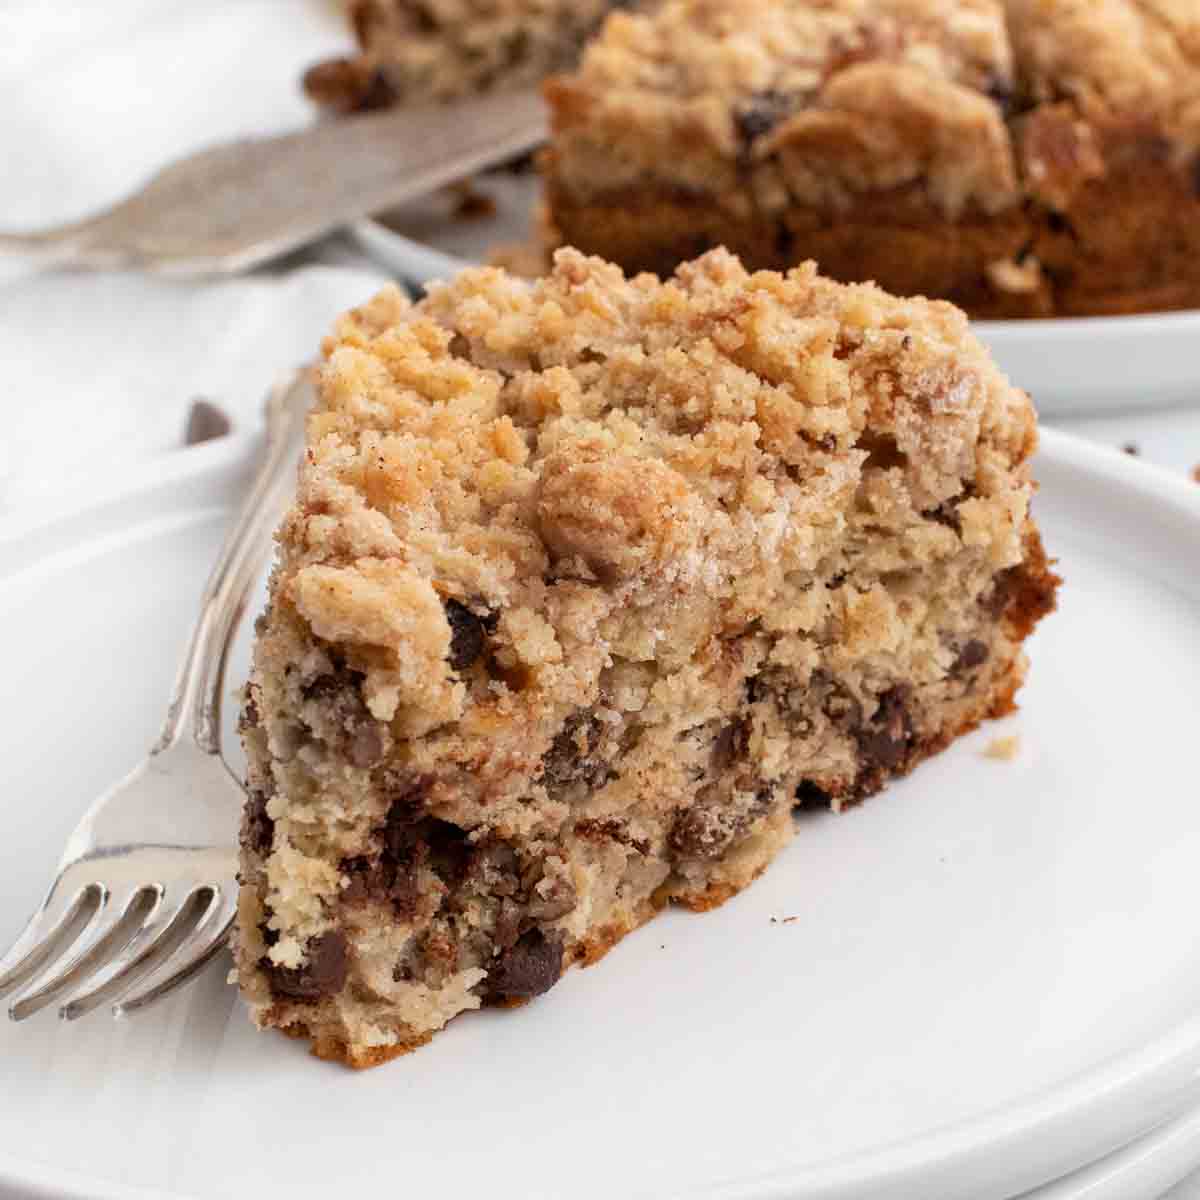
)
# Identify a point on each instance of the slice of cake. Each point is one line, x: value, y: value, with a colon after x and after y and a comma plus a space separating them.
x: 1018, y: 157
x: 589, y: 583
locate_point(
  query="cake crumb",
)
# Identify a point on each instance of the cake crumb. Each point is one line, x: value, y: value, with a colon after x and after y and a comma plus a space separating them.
x: 1194, y: 474
x: 1132, y: 449
x: 1005, y: 749
x: 471, y: 203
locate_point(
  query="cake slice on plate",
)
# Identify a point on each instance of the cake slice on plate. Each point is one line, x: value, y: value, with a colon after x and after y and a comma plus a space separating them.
x: 590, y: 581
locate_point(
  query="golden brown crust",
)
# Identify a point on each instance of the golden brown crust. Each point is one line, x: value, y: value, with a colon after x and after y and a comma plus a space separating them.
x: 336, y: 1050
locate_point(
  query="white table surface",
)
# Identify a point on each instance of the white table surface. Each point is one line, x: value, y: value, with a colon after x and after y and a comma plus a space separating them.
x: 100, y: 370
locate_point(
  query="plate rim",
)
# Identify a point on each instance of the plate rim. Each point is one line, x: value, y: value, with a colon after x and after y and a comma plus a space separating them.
x: 1127, y: 1095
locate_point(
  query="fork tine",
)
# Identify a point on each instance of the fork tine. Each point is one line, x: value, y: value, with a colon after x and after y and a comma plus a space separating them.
x: 53, y: 929
x: 113, y: 928
x: 190, y: 957
x: 155, y: 943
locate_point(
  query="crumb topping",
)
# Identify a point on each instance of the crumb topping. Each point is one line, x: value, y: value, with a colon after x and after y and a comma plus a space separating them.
x: 818, y: 101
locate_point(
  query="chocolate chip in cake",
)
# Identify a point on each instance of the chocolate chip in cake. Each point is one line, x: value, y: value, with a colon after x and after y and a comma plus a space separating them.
x: 528, y: 968
x: 765, y: 110
x: 610, y: 829
x: 249, y: 718
x: 468, y: 634
x: 709, y: 827
x: 973, y: 654
x: 1000, y: 91
x: 946, y: 514
x: 810, y: 798
x: 998, y: 598
x: 574, y: 756
x: 323, y: 973
x: 885, y: 742
x: 448, y: 849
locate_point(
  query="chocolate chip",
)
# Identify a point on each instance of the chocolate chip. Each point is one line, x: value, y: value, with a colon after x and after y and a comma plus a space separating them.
x: 1132, y: 449
x: 206, y: 422
x: 400, y: 828
x: 467, y: 635
x: 610, y: 829
x: 323, y: 973
x: 810, y: 798
x: 448, y: 849
x: 1004, y: 586
x: 575, y: 755
x: 1057, y: 223
x: 838, y: 704
x: 946, y: 514
x: 730, y: 745
x: 528, y: 968
x: 765, y: 110
x: 389, y: 874
x: 708, y: 828
x: 973, y: 654
x: 258, y: 830
x: 884, y: 743
x: 1000, y: 91
x: 250, y: 717
x: 341, y: 718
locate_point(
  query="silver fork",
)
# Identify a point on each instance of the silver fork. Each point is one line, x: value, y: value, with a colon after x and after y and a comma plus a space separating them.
x: 231, y: 207
x: 146, y: 892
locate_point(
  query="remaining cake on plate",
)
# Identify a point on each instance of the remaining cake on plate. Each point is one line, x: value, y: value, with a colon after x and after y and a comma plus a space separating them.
x: 423, y: 50
x: 1019, y: 157
x: 591, y: 581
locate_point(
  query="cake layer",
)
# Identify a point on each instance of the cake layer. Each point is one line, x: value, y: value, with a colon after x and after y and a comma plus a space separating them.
x: 590, y: 582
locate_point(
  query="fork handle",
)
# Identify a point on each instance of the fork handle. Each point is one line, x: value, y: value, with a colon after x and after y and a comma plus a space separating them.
x: 196, y: 702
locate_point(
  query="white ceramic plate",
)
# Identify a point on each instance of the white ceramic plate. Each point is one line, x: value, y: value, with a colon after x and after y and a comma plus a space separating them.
x: 1091, y: 364
x: 992, y: 979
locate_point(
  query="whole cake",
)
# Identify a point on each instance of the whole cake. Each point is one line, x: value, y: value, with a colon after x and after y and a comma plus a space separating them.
x: 422, y: 50
x: 1018, y: 157
x: 589, y: 583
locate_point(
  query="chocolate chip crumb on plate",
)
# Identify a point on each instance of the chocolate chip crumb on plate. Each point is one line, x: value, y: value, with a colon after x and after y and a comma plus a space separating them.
x: 992, y: 981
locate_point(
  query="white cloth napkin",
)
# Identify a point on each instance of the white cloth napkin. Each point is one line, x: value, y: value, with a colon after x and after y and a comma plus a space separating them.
x: 100, y: 370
